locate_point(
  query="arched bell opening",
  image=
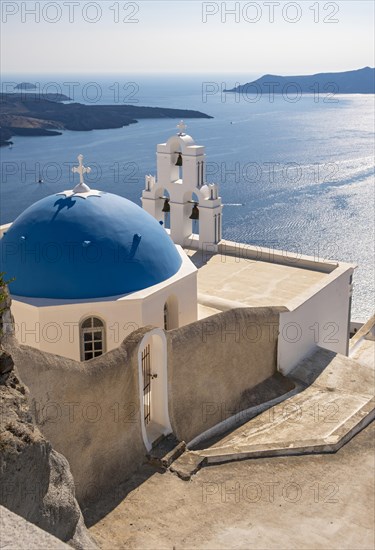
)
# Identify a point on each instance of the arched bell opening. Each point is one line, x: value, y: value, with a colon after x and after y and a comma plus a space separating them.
x: 161, y: 195
x: 176, y: 150
x: 153, y: 387
x: 166, y: 209
x: 194, y: 214
x: 177, y: 165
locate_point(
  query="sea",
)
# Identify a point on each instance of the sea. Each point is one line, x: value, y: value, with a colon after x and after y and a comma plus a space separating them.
x: 296, y: 172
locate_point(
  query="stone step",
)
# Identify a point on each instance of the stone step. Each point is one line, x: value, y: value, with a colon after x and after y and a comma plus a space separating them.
x: 188, y: 464
x: 165, y: 451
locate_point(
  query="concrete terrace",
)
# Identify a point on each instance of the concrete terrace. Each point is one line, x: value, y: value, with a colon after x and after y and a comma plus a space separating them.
x: 244, y: 276
x: 270, y: 503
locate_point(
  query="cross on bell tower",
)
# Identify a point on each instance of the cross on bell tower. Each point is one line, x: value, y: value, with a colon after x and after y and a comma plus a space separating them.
x: 81, y: 187
x: 182, y: 127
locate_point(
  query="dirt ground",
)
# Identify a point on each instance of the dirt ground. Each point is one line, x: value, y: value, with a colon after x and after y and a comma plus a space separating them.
x: 304, y: 502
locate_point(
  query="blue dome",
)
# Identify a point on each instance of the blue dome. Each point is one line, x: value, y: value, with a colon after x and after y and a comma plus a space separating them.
x: 77, y: 248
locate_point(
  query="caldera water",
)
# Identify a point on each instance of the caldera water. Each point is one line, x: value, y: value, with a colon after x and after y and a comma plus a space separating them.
x: 295, y: 173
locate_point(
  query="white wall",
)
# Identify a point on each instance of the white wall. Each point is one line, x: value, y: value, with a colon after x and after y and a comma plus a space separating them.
x: 319, y: 320
x: 53, y: 325
x: 55, y: 329
x: 186, y: 294
x: 26, y: 323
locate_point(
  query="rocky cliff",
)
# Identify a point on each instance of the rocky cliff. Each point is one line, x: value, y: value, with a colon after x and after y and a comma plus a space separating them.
x: 36, y: 482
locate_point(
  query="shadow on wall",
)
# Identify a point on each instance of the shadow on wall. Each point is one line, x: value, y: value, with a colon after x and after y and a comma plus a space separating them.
x: 213, y: 363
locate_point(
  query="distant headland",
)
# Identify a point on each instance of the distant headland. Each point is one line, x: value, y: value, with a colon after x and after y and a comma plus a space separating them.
x: 25, y: 86
x: 46, y: 115
x: 361, y: 81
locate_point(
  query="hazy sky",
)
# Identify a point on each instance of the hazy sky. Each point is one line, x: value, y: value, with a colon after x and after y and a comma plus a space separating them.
x: 180, y: 36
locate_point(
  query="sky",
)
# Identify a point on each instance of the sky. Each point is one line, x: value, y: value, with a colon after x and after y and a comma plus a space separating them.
x: 179, y: 36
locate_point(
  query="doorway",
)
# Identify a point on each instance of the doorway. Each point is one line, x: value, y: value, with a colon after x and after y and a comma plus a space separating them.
x: 153, y: 385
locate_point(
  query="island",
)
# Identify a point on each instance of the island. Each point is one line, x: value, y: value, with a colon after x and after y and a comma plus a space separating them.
x: 361, y: 81
x: 46, y: 115
x: 25, y: 86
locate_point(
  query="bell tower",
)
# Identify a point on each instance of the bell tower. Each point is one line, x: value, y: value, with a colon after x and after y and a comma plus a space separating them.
x: 179, y: 196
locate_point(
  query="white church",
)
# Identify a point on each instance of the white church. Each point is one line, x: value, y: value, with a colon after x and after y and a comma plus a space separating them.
x: 89, y: 267
x: 148, y: 322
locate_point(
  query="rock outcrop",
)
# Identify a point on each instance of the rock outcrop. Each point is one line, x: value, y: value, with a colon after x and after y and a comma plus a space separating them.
x: 36, y: 482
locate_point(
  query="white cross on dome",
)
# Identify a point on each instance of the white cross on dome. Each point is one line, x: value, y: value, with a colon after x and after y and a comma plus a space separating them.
x: 81, y: 189
x: 81, y: 170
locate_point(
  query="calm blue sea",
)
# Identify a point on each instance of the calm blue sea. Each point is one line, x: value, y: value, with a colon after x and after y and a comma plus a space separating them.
x: 295, y: 175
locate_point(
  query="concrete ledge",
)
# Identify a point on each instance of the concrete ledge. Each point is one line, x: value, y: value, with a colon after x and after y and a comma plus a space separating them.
x: 330, y: 444
x: 260, y: 253
x: 366, y: 331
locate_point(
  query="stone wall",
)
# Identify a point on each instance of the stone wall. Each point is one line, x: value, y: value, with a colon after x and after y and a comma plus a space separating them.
x: 213, y: 363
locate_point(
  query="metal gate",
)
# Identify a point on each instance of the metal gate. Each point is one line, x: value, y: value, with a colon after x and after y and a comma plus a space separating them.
x: 146, y: 371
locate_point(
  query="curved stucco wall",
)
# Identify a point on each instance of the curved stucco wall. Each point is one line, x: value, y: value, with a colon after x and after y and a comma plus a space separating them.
x: 213, y: 362
x: 89, y: 411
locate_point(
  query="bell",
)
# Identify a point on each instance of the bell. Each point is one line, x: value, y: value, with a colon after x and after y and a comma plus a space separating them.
x: 166, y: 207
x: 195, y: 212
x: 179, y: 160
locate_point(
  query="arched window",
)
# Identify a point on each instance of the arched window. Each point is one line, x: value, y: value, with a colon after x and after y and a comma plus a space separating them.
x: 92, y: 338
